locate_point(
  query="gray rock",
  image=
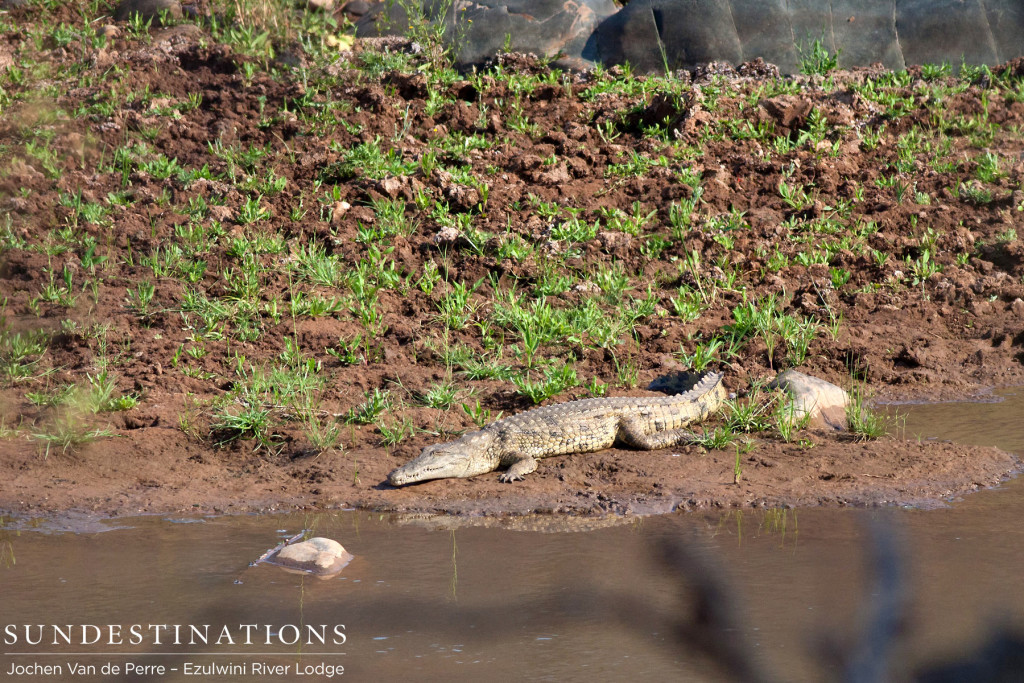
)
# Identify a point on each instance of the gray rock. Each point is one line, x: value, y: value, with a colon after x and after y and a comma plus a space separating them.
x: 653, y: 34
x: 355, y: 9
x: 147, y: 9
x: 862, y: 31
x: 822, y: 402
x: 477, y: 31
x: 945, y: 30
x: 320, y: 556
x: 664, y: 35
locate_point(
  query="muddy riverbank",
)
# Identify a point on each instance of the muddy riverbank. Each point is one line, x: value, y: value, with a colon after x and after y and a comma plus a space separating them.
x: 117, y: 477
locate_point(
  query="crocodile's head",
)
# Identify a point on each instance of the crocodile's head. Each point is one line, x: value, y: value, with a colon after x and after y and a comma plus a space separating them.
x: 465, y: 457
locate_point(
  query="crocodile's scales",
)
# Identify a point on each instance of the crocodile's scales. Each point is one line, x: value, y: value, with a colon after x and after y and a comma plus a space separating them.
x: 584, y: 426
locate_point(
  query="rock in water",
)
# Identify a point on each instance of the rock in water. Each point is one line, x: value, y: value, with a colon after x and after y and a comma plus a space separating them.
x: 320, y: 556
x: 822, y: 401
x: 477, y: 31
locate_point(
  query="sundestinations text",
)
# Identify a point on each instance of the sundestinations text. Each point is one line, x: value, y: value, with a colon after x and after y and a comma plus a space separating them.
x: 173, y: 634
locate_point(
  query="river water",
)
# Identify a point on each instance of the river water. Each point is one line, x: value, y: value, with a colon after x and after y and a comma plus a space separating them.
x: 425, y: 602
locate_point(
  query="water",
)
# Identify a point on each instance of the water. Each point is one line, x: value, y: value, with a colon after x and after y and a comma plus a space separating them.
x: 476, y: 604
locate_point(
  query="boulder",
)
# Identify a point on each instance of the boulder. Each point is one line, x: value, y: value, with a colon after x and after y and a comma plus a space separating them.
x: 664, y: 35
x: 822, y: 402
x: 653, y: 35
x: 355, y: 9
x: 320, y: 556
x: 972, y: 31
x: 477, y: 31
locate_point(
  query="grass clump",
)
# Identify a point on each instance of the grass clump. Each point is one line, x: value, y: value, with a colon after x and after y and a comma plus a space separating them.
x: 865, y: 423
x: 815, y: 59
x: 68, y: 431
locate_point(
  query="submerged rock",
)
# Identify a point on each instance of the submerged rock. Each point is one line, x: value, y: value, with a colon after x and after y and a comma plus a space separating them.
x: 320, y: 556
x: 822, y: 402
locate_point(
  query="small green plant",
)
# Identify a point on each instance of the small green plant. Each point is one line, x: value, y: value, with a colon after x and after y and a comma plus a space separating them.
x: 455, y: 307
x: 68, y: 431
x: 481, y: 416
x: 323, y: 434
x: 789, y: 419
x: 252, y: 211
x: 246, y: 419
x: 687, y: 304
x: 716, y: 439
x: 53, y: 397
x: 974, y: 193
x: 441, y: 395
x: 816, y: 59
x: 553, y: 382
x: 922, y: 268
x: 933, y: 72
x: 365, y: 413
x: 988, y: 170
x: 348, y: 351
x: 395, y: 432
x: 703, y: 355
x: 140, y: 298
x: 796, y: 197
x: 595, y: 387
x: 20, y: 353
x: 749, y: 415
x: 865, y: 423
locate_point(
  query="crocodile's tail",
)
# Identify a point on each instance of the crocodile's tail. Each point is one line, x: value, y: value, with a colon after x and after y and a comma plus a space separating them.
x: 686, y: 383
x: 706, y: 385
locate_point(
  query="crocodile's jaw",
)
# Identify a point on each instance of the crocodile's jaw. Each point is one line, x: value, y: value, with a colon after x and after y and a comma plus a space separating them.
x: 465, y: 457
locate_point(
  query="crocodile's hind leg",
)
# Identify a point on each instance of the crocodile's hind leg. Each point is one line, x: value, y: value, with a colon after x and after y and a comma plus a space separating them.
x: 632, y: 434
x: 519, y: 469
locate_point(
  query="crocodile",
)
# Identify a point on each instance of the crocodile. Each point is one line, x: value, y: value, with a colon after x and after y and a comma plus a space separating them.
x: 584, y: 426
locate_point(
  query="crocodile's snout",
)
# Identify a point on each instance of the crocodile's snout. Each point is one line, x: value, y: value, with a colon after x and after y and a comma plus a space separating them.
x: 397, y: 477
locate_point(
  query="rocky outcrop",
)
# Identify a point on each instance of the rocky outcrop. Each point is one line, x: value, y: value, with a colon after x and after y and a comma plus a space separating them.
x: 477, y: 31
x: 658, y: 35
x: 654, y: 34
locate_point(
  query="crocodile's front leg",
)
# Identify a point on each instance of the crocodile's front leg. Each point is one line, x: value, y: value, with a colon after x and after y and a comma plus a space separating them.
x: 519, y: 469
x: 631, y: 433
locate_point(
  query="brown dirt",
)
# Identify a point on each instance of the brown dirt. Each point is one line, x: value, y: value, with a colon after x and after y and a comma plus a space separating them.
x: 958, y: 331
